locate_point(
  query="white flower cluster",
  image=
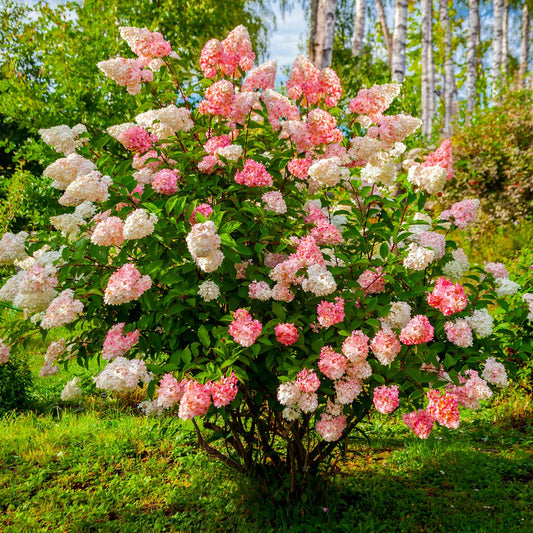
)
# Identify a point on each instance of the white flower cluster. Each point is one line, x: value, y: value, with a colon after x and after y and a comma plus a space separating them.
x: 385, y: 174
x: 166, y: 122
x: 64, y: 139
x: 123, y: 375
x: 12, y: 248
x: 398, y: 317
x: 54, y: 351
x: 274, y: 202
x: 91, y: 187
x: 295, y: 401
x: 204, y: 245
x: 481, y: 322
x: 62, y: 310
x: 69, y: 223
x: 528, y: 298
x: 495, y: 373
x: 506, y: 287
x: 457, y: 267
x: 71, y: 391
x: 418, y: 257
x: 232, y: 152
x: 319, y: 281
x: 65, y: 170
x: 139, y: 224
x: 208, y: 291
x: 431, y: 179
x: 328, y: 172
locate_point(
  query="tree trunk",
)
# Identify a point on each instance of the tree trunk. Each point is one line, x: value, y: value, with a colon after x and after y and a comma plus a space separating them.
x: 427, y: 68
x: 359, y: 27
x: 312, y: 35
x: 325, y: 33
x: 385, y: 29
x: 448, y: 85
x: 398, y: 40
x: 505, y: 38
x: 471, y: 48
x: 497, y: 38
x: 524, y: 48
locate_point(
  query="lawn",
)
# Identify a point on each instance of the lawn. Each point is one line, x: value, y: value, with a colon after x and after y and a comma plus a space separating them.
x: 102, y: 467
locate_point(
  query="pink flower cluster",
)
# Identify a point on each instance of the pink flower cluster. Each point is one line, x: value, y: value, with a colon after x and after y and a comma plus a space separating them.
x: 128, y: 73
x: 300, y: 167
x: 4, y: 352
x: 125, y: 285
x: 145, y: 44
x: 376, y: 100
x: 117, y: 343
x: 261, y: 77
x: 244, y: 329
x: 307, y: 81
x: 109, y: 232
x: 230, y: 55
x: 417, y: 331
x: 331, y: 363
x: 443, y: 408
x: 204, y: 209
x: 459, y: 333
x: 136, y: 139
x: 372, y: 282
x: 63, y: 309
x: 498, y: 270
x: 419, y: 422
x: 219, y: 99
x: 463, y: 213
x: 330, y: 427
x: 279, y: 107
x: 275, y: 202
x: 166, y: 181
x: 386, y: 399
x: 471, y: 391
x: 442, y: 157
x: 253, y: 174
x: 495, y: 373
x: 449, y: 298
x: 385, y: 346
x: 330, y: 313
x: 286, y: 334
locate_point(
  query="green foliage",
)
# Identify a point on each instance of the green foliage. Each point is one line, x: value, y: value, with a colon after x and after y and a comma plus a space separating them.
x: 16, y: 385
x: 494, y: 160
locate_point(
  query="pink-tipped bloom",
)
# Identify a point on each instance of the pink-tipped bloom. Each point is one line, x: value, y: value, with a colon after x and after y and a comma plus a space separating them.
x: 498, y: 270
x: 116, y: 343
x: 253, y: 174
x: 330, y: 313
x: 109, y: 232
x: 376, y: 100
x: 166, y: 181
x: 261, y: 77
x: 286, y: 334
x: 125, y: 285
x: 372, y: 282
x: 170, y: 391
x: 64, y: 309
x: 244, y: 329
x: 463, y: 213
x: 419, y: 422
x: 308, y: 253
x: 386, y: 399
x: 355, y: 347
x: 204, y: 209
x: 459, y: 333
x: 127, y: 73
x: 449, y: 298
x: 347, y: 390
x: 330, y: 428
x: 4, y: 352
x: 331, y: 363
x: 146, y: 44
x: 224, y: 390
x: 385, y: 346
x: 323, y: 128
x: 300, y: 167
x: 443, y: 408
x: 218, y: 99
x: 136, y: 139
x: 307, y: 381
x: 279, y: 107
x: 195, y: 401
x: 442, y: 157
x: 417, y: 331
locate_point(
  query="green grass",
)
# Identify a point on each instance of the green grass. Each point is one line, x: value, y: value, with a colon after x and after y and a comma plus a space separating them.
x: 103, y: 467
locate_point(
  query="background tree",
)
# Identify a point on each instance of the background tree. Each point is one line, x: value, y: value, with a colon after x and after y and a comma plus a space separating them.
x: 399, y: 40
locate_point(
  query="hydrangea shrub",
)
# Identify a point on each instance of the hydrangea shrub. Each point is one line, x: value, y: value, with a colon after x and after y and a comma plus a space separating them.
x: 258, y: 262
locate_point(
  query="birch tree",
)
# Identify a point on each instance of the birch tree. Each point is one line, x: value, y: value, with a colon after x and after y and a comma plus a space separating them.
x: 505, y: 38
x: 497, y: 45
x: 324, y: 33
x: 385, y: 29
x: 359, y: 27
x: 312, y: 33
x: 524, y: 47
x: 471, y: 49
x: 398, y: 40
x: 427, y: 68
x: 448, y: 85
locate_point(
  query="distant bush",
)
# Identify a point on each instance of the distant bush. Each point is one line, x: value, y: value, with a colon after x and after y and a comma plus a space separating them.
x: 16, y: 386
x: 494, y: 160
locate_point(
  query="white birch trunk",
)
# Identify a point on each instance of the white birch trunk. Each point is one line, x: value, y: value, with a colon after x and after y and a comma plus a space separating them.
x: 471, y: 49
x: 359, y: 27
x: 427, y: 68
x: 325, y: 33
x: 524, y: 48
x: 398, y: 40
x: 505, y: 38
x: 448, y: 86
x: 497, y: 38
x: 312, y: 33
x: 385, y: 29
